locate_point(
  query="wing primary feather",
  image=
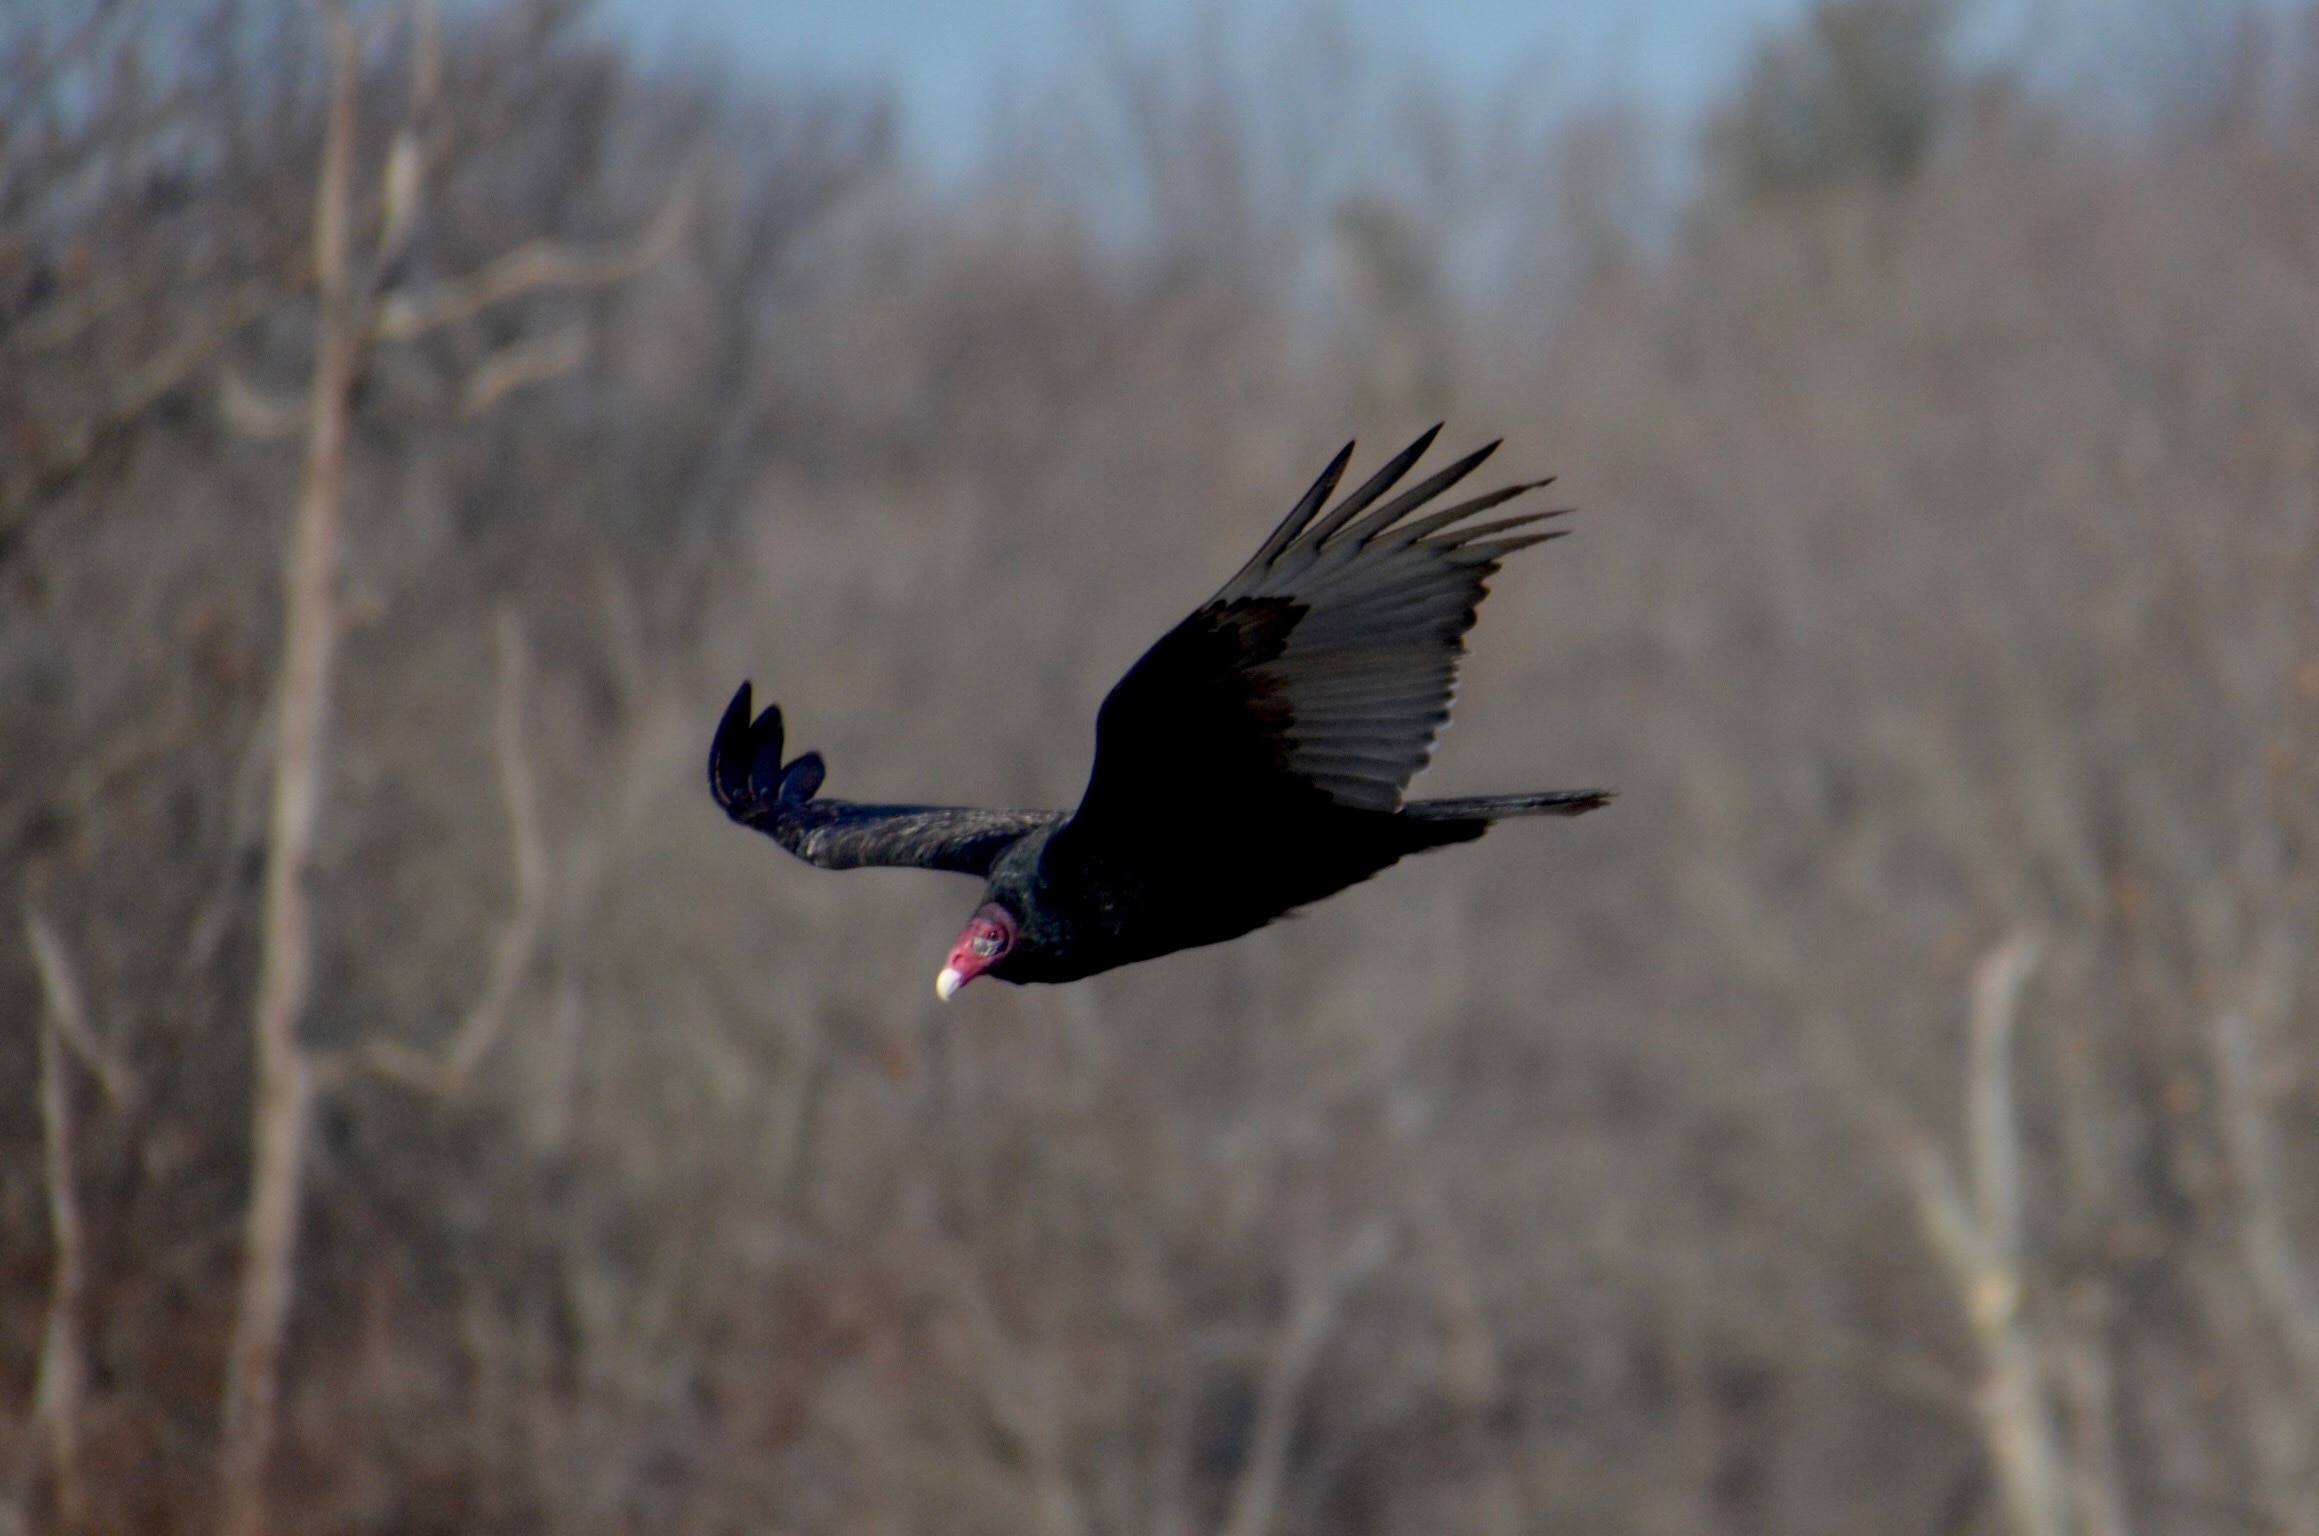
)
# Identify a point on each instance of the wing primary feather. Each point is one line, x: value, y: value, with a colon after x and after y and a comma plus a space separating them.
x: 1498, y: 549
x: 748, y: 778
x: 1349, y: 690
x: 728, y: 752
x: 1433, y: 522
x: 1377, y: 485
x: 1418, y: 495
x: 1302, y: 513
x: 1466, y: 535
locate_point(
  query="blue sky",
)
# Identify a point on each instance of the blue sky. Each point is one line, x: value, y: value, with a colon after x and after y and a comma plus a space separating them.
x: 949, y: 61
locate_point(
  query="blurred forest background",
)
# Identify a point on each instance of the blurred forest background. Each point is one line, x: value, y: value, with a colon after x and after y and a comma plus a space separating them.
x: 1898, y: 1113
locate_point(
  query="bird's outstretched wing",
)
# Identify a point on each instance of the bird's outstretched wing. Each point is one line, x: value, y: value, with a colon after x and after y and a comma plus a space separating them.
x: 758, y: 790
x: 1327, y: 664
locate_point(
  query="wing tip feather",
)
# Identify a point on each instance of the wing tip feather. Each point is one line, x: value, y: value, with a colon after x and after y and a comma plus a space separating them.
x: 1387, y: 476
x: 729, y: 753
x: 1307, y: 507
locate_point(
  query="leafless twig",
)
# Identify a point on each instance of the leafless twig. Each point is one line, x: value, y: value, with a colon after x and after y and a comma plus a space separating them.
x: 68, y: 1008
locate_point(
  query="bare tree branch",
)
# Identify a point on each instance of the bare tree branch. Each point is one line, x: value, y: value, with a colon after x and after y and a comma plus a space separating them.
x: 1992, y: 1139
x: 63, y: 457
x: 407, y: 160
x: 519, y: 941
x: 1313, y: 1311
x: 63, y: 1375
x: 1979, y: 1244
x: 535, y: 267
x: 2087, y: 1388
x: 68, y: 1008
x: 519, y: 365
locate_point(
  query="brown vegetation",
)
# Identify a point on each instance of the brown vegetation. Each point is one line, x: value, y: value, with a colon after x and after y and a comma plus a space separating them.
x: 1891, y: 1116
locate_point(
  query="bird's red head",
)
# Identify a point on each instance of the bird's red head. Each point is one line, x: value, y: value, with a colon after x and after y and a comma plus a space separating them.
x: 988, y: 935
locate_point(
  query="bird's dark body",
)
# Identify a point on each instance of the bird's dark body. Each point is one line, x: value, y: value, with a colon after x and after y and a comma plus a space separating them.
x: 1251, y: 762
x: 1085, y: 911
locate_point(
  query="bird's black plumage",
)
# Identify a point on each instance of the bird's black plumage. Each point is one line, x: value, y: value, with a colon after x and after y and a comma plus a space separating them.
x: 756, y: 789
x: 1253, y: 760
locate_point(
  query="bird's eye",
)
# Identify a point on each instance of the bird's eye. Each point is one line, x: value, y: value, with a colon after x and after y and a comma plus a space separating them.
x: 984, y: 944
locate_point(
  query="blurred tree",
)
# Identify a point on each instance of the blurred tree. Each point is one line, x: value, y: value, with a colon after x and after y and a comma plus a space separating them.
x: 1855, y: 95
x: 1403, y: 341
x: 360, y: 302
x: 1986, y: 604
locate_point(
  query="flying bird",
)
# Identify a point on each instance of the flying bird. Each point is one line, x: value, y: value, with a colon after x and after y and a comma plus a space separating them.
x: 1252, y: 761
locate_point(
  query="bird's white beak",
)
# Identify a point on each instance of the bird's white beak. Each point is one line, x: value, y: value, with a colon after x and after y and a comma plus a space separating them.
x: 947, y: 984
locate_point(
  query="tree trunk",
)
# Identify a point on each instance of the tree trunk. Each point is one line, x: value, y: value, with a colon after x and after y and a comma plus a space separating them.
x: 284, y: 1076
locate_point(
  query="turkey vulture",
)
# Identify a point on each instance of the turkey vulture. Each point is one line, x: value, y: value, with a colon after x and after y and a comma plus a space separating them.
x: 1252, y: 761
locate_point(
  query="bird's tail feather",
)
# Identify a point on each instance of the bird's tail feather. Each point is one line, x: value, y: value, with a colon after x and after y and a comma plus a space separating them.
x: 1551, y: 802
